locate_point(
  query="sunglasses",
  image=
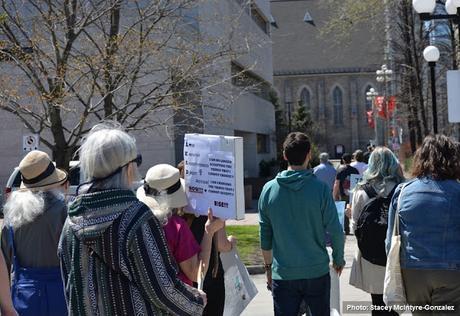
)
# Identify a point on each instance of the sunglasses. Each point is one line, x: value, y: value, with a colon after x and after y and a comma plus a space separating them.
x: 137, y: 160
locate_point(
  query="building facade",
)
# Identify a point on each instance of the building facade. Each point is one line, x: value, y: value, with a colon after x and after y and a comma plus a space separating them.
x: 329, y: 76
x: 242, y: 109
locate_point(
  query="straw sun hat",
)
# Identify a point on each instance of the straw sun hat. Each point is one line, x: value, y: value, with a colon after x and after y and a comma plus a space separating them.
x: 163, y: 184
x: 38, y: 172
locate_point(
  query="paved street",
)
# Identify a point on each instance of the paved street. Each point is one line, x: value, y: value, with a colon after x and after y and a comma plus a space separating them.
x: 262, y: 305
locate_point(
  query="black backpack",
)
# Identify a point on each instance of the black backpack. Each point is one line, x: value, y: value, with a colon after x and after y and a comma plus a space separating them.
x: 372, y: 226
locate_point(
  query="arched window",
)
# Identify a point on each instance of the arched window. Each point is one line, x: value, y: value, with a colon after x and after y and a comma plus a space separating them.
x: 368, y: 102
x: 338, y: 106
x: 305, y: 98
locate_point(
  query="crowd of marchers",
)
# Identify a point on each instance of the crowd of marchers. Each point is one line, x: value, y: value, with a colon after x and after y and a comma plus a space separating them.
x: 121, y: 247
x: 420, y: 215
x: 115, y: 248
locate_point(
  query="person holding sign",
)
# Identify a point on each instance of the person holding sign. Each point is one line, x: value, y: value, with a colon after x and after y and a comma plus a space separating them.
x: 295, y: 212
x: 371, y: 199
x: 342, y: 184
x: 164, y: 192
x: 214, y: 282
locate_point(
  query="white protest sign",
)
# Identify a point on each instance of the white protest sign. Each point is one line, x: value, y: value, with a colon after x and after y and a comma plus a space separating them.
x: 214, y: 175
x: 30, y: 142
x: 340, y: 206
x: 354, y: 180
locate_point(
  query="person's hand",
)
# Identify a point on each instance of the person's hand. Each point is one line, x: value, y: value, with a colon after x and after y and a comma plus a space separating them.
x: 232, y: 239
x: 8, y: 312
x: 348, y: 211
x: 337, y: 269
x: 268, y: 274
x: 203, y: 296
x: 213, y: 224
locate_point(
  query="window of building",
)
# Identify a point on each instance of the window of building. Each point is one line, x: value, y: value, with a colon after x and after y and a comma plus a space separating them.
x: 305, y: 98
x: 368, y: 103
x: 259, y: 19
x: 249, y: 81
x: 263, y: 144
x: 338, y: 106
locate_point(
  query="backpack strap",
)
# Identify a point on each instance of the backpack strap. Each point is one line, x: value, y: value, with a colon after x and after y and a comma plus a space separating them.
x: 369, y: 189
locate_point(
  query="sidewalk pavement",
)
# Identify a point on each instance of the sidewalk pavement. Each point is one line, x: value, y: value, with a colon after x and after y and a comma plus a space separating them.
x: 262, y: 305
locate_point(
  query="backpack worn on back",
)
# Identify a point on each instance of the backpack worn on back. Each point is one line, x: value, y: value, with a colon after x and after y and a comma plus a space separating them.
x: 372, y: 226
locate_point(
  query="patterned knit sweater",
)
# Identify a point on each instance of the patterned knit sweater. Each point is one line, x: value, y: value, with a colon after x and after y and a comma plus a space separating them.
x: 115, y: 260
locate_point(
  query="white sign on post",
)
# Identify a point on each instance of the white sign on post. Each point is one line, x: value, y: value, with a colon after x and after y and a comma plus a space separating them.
x: 30, y: 142
x: 214, y: 175
x: 453, y: 95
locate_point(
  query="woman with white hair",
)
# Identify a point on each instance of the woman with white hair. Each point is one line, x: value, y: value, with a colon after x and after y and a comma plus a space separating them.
x: 164, y: 192
x: 373, y: 195
x: 34, y: 217
x: 114, y: 256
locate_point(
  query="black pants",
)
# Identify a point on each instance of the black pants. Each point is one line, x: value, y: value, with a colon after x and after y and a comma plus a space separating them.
x: 377, y: 300
x: 347, y: 225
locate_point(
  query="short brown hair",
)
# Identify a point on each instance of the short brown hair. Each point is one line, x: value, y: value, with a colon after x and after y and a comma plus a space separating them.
x: 438, y: 157
x: 296, y: 148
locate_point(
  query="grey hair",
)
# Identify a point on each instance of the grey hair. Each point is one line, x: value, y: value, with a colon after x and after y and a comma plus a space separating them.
x: 107, y: 148
x: 162, y: 211
x: 23, y: 207
x: 324, y: 157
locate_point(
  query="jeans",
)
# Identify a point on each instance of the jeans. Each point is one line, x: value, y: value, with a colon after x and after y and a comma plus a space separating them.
x: 288, y: 294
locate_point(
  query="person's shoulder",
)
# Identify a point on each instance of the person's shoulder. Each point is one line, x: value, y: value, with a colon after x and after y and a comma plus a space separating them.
x: 270, y: 184
x: 353, y: 170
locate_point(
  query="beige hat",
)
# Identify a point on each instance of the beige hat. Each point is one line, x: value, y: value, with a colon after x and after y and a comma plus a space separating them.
x: 163, y: 180
x: 38, y: 172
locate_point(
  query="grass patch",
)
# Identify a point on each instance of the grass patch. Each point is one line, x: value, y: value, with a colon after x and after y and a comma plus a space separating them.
x: 248, y: 243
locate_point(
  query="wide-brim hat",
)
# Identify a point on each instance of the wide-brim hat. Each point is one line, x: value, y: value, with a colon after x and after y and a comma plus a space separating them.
x: 163, y: 184
x: 38, y: 172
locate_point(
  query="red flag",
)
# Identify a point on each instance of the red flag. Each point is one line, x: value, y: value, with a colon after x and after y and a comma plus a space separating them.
x: 370, y: 119
x: 380, y: 105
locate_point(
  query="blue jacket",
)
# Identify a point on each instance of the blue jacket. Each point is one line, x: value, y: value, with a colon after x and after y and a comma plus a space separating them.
x: 326, y: 172
x: 296, y: 210
x: 429, y: 223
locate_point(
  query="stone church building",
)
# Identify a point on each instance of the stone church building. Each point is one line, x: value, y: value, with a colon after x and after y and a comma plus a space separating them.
x: 328, y: 77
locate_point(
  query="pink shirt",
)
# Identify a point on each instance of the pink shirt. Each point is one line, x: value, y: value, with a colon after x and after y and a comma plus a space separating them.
x: 181, y: 242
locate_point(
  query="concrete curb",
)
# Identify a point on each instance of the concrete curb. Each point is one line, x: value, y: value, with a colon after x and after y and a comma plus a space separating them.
x: 256, y: 269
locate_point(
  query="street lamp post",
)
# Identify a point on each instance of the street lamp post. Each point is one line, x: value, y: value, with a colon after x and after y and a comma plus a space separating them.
x: 431, y: 55
x: 370, y: 96
x: 425, y: 9
x: 384, y: 75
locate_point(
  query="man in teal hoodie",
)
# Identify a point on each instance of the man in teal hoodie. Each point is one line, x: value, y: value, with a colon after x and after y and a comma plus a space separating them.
x: 295, y: 212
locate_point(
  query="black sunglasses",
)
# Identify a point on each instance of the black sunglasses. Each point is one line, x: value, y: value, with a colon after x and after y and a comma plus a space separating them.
x: 137, y: 160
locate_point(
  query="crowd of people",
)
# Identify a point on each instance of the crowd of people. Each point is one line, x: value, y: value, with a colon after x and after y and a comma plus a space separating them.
x: 298, y: 219
x: 121, y: 247
x: 111, y: 250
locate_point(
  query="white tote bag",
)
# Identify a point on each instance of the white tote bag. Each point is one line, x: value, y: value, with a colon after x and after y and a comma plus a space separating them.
x: 393, y: 286
x: 239, y: 288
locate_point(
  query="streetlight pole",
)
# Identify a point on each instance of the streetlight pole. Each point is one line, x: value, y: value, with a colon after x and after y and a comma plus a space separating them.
x: 431, y: 55
x: 384, y: 75
x: 370, y: 96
